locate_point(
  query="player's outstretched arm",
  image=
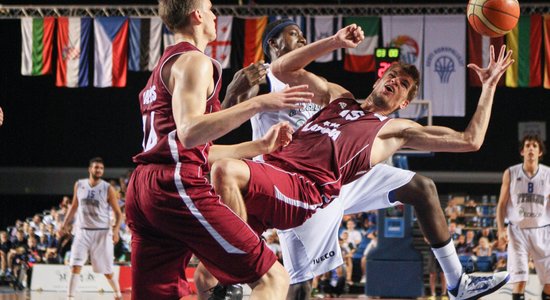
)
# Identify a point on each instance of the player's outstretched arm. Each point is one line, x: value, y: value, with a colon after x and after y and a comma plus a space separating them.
x: 245, y: 84
x: 190, y: 81
x: 278, y: 136
x: 437, y: 138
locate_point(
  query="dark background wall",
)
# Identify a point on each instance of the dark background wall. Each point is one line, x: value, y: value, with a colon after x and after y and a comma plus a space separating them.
x: 47, y: 126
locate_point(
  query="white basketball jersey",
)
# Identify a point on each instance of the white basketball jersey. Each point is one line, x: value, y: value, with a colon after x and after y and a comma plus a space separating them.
x: 93, y: 208
x: 528, y: 206
x: 261, y: 122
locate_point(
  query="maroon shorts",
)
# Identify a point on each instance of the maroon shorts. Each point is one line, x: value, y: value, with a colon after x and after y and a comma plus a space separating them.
x: 173, y: 216
x: 279, y: 199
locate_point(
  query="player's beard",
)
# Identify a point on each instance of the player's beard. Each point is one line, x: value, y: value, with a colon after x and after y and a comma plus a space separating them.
x: 380, y: 102
x: 96, y: 177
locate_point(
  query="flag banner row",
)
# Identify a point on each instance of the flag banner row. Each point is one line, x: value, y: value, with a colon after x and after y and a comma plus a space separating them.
x: 122, y: 44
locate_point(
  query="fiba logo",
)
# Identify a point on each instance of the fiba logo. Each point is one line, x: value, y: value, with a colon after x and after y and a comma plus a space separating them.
x: 149, y: 95
x: 444, y: 66
x: 444, y: 61
x: 408, y: 47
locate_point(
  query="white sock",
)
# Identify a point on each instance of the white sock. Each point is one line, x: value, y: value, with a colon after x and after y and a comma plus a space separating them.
x: 114, y: 285
x: 73, y: 283
x: 449, y: 262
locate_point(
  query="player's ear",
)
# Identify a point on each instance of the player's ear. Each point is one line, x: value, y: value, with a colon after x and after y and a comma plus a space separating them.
x: 405, y: 103
x: 195, y: 16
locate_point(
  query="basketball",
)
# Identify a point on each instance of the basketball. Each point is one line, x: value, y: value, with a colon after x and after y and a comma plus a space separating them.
x: 493, y: 18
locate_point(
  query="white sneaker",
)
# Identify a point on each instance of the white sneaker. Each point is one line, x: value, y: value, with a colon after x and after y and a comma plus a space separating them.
x: 473, y: 287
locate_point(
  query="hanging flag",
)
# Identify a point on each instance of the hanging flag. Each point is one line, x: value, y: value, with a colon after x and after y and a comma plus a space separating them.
x: 478, y: 53
x: 445, y: 64
x: 361, y: 58
x: 73, y: 37
x: 220, y: 49
x: 145, y: 39
x: 298, y: 19
x: 37, y: 44
x: 167, y: 37
x: 526, y: 42
x: 407, y: 34
x: 320, y: 27
x: 111, y: 51
x: 246, y: 40
x: 547, y: 51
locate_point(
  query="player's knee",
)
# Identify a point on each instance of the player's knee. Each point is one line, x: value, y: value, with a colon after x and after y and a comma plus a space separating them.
x: 228, y: 173
x: 276, y: 278
x: 424, y: 187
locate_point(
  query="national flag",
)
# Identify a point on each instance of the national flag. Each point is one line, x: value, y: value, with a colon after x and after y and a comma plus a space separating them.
x: 547, y: 51
x: 320, y: 27
x: 361, y: 58
x: 298, y: 19
x: 247, y: 41
x: 111, y: 51
x: 445, y: 64
x: 167, y: 37
x: 407, y: 34
x: 73, y: 37
x: 37, y: 44
x: 220, y: 49
x: 145, y: 40
x: 478, y: 53
x: 526, y: 42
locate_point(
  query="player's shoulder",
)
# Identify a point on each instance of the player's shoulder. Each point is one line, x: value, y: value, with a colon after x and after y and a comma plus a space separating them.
x: 194, y: 61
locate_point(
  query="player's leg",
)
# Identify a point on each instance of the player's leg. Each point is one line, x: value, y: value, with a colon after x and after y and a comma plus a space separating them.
x: 299, y: 291
x: 539, y: 239
x: 102, y: 257
x: 79, y: 256
x: 518, y: 260
x: 230, y: 178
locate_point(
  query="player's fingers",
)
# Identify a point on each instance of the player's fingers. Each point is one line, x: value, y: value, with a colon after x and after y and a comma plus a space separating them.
x: 296, y: 88
x: 474, y: 67
x: 492, y: 52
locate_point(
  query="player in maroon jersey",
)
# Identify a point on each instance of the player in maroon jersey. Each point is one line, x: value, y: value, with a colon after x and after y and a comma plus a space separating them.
x: 344, y: 140
x: 171, y: 207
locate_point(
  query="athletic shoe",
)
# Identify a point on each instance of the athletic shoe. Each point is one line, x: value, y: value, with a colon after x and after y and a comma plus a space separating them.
x: 227, y: 292
x: 473, y: 287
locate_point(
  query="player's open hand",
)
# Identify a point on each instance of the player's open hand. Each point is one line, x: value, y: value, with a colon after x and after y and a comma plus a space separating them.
x: 492, y: 73
x: 248, y: 77
x: 289, y: 98
x: 350, y: 36
x: 278, y: 136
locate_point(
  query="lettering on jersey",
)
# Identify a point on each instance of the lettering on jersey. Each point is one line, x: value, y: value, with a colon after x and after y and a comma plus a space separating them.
x: 331, y: 132
x: 150, y: 96
x: 323, y: 257
x: 305, y: 107
x: 529, y: 214
x: 342, y: 105
x: 90, y: 202
x: 351, y: 115
x: 531, y: 198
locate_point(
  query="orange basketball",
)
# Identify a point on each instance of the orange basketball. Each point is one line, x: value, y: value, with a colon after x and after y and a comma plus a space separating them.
x: 493, y: 17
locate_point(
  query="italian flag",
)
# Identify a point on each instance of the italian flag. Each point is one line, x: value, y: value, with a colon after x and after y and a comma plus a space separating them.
x: 526, y: 42
x: 37, y: 44
x: 361, y: 58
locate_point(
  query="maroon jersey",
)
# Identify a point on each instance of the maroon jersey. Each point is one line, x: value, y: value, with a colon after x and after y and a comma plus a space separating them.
x: 160, y: 142
x: 333, y: 148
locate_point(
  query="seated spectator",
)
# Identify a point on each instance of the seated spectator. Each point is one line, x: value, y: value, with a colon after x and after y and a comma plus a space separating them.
x: 462, y: 248
x: 452, y: 211
x: 31, y: 232
x: 50, y: 217
x: 354, y: 236
x: 486, y: 232
x: 470, y: 239
x: 42, y: 245
x: 5, y: 246
x: 13, y: 232
x: 454, y: 231
x: 484, y: 248
x: 35, y: 222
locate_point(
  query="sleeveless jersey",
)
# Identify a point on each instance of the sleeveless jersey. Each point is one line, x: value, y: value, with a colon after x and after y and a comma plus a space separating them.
x: 261, y: 122
x: 528, y: 206
x: 94, y: 211
x: 333, y: 147
x: 160, y: 142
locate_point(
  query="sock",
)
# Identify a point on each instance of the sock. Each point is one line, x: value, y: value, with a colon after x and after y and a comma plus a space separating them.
x: 114, y: 285
x: 73, y: 283
x: 518, y: 296
x: 449, y: 262
x: 545, y: 296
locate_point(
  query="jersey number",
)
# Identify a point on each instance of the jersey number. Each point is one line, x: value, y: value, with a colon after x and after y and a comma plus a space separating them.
x: 530, y: 187
x: 351, y: 115
x: 150, y: 138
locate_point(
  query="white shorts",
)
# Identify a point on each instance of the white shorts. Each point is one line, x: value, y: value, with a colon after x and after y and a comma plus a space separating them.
x: 99, y: 244
x: 525, y: 242
x: 312, y: 248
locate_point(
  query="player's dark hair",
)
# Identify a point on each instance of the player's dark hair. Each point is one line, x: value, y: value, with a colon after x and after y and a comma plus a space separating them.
x: 98, y: 160
x: 272, y: 31
x: 535, y: 138
x: 409, y: 70
x: 175, y: 13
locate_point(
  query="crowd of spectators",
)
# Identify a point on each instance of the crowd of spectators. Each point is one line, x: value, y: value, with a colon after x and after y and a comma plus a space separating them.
x: 41, y: 239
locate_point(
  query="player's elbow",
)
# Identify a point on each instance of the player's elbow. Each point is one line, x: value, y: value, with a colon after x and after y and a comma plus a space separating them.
x: 188, y: 137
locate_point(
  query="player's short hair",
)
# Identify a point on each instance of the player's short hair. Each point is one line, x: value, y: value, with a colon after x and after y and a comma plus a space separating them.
x: 535, y: 138
x: 98, y: 160
x: 273, y: 30
x: 175, y: 13
x: 411, y: 71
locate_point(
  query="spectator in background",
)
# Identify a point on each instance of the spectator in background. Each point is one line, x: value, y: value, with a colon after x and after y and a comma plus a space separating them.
x: 5, y: 246
x: 35, y: 222
x: 462, y: 248
x: 484, y: 248
x: 452, y: 211
x: 487, y: 233
x: 372, y: 244
x: 470, y: 239
x: 354, y: 236
x: 454, y: 232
